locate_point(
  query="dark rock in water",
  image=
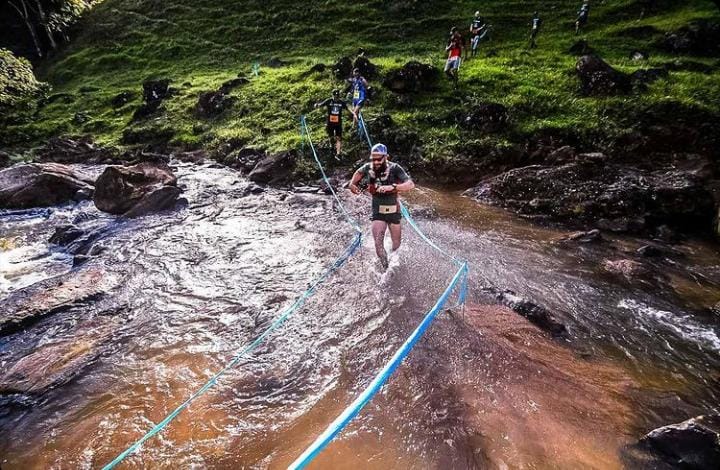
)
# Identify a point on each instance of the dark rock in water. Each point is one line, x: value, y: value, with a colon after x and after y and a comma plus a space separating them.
x: 75, y: 150
x: 342, y: 69
x: 563, y: 154
x: 701, y: 37
x: 694, y: 443
x: 413, y: 77
x: 367, y: 68
x: 599, y: 78
x: 275, y: 63
x: 4, y: 160
x: 486, y: 117
x: 84, y: 194
x: 136, y: 190
x: 65, y: 234
x: 612, y: 197
x: 40, y: 185
x: 581, y: 47
x: 536, y: 314
x: 590, y: 236
x: 254, y: 189
x: 230, y: 85
x: 274, y: 169
x: 197, y: 156
x: 244, y: 159
x: 627, y: 268
x: 122, y: 98
x: 639, y: 55
x: 213, y: 103
x: 27, y: 305
x: 641, y: 78
x: 158, y: 199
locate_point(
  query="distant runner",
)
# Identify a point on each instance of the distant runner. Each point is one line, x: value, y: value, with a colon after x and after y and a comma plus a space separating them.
x: 335, y: 107
x: 385, y: 181
x: 478, y: 30
x: 582, y: 16
x: 454, y: 50
x: 535, y: 24
x: 359, y: 88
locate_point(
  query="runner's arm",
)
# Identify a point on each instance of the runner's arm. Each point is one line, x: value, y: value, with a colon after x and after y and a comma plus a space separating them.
x: 356, y: 178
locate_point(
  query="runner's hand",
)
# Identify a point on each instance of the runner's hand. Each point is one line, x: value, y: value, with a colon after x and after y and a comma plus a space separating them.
x: 354, y: 189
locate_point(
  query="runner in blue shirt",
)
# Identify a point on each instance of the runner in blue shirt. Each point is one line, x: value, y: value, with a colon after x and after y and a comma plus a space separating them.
x: 359, y: 88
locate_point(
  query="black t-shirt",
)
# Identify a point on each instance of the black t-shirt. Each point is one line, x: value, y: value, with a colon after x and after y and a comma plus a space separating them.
x: 334, y: 111
x: 393, y: 174
x: 477, y: 23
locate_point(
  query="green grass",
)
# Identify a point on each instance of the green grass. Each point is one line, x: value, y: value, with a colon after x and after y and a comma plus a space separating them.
x: 200, y: 43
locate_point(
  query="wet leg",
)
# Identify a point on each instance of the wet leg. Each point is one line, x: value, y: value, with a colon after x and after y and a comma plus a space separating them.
x: 378, y: 231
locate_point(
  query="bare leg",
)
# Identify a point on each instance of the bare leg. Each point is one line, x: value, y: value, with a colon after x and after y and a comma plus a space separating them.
x: 395, y: 235
x: 338, y: 145
x: 378, y: 231
x: 356, y: 111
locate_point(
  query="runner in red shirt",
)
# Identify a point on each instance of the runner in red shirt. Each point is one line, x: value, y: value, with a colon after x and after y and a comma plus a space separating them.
x: 454, y: 50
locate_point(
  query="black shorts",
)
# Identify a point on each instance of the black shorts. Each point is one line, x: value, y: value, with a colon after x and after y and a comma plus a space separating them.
x: 582, y: 20
x: 389, y: 218
x: 334, y: 130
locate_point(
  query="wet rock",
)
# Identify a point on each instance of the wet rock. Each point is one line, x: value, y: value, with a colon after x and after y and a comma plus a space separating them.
x: 581, y: 48
x: 75, y: 150
x: 612, y: 197
x: 700, y: 37
x: 413, y: 77
x: 273, y: 169
x: 4, y: 160
x: 536, y: 314
x: 197, y: 156
x: 599, y: 78
x: 230, y: 85
x: 342, y: 69
x: 122, y: 98
x: 40, y: 185
x: 27, y: 305
x: 136, y: 190
x: 244, y: 159
x: 694, y: 443
x: 54, y: 363
x: 627, y: 268
x: 590, y: 236
x: 65, y: 234
x: 639, y: 55
x: 563, y: 154
x: 213, y: 103
x: 84, y: 194
x: 487, y: 117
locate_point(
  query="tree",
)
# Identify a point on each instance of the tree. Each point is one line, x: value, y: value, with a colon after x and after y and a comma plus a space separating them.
x: 21, y: 6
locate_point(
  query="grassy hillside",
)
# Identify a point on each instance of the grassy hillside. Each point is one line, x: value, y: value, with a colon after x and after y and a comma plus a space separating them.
x: 200, y: 44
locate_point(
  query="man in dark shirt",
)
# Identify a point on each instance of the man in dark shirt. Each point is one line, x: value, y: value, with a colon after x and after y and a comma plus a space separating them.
x: 478, y: 29
x: 335, y: 107
x: 385, y: 180
x: 535, y: 24
x: 582, y: 17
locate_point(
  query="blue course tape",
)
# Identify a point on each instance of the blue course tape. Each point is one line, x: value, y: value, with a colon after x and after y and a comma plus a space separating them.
x: 299, y: 302
x: 351, y: 411
x: 363, y: 129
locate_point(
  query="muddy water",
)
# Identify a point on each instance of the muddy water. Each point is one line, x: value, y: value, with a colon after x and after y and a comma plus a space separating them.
x: 482, y: 390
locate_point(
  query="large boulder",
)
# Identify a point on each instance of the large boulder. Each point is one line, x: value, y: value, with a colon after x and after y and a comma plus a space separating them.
x: 599, y: 78
x: 367, y: 68
x: 273, y: 169
x: 694, y: 443
x: 413, y: 77
x: 41, y: 185
x: 74, y: 150
x: 700, y: 37
x: 154, y: 92
x: 4, y: 160
x: 136, y: 190
x: 342, y: 69
x: 615, y: 197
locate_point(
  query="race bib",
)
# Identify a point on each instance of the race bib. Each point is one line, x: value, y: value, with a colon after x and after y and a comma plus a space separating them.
x: 356, y: 94
x: 334, y: 118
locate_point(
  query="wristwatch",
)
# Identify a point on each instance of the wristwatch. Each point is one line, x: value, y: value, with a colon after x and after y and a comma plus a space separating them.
x: 394, y: 187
